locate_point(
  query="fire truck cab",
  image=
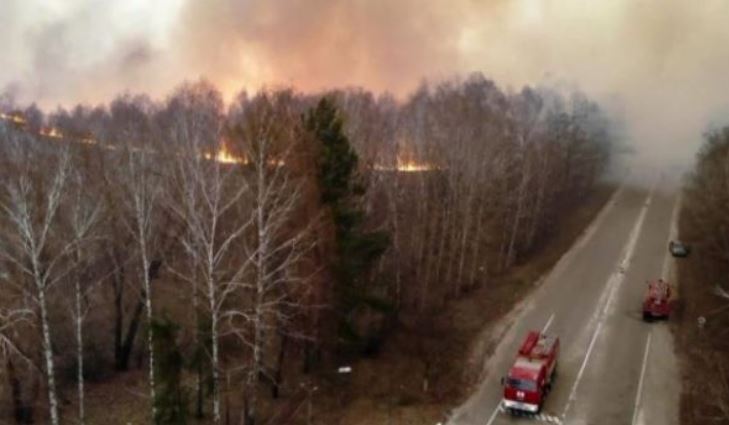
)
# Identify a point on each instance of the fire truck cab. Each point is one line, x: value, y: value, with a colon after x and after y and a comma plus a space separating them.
x: 657, y: 301
x: 530, y: 378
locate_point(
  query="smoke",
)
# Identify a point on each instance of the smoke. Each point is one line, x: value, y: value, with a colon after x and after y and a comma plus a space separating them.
x: 661, y: 64
x: 82, y: 50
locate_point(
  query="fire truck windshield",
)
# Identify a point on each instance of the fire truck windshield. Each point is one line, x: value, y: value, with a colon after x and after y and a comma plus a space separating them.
x: 522, y: 384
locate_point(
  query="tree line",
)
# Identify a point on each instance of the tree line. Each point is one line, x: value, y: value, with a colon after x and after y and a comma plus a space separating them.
x: 220, y: 249
x: 705, y: 226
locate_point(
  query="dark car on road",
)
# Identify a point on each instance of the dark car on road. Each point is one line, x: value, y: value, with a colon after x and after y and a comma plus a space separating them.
x: 678, y: 249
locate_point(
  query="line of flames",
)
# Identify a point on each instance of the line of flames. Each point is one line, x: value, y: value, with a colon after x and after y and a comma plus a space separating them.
x: 51, y: 132
x: 406, y: 166
x: 17, y: 119
x: 413, y: 167
x: 224, y: 156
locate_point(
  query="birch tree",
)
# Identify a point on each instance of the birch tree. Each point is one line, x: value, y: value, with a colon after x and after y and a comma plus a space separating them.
x: 85, y: 213
x: 267, y: 131
x: 30, y: 204
x: 140, y: 183
x: 206, y: 197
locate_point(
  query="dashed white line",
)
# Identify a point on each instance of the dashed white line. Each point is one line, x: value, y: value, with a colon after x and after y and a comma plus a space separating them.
x: 589, y: 232
x: 613, y: 283
x: 573, y: 391
x: 541, y: 417
x: 639, y: 394
x: 549, y: 322
x: 493, y: 415
x: 586, y: 236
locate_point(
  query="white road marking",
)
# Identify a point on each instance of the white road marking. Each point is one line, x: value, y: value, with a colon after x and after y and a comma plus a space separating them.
x: 582, y: 241
x: 573, y: 391
x: 586, y: 236
x: 541, y: 417
x: 493, y: 415
x: 589, y: 232
x: 613, y: 283
x: 639, y: 395
x: 549, y: 322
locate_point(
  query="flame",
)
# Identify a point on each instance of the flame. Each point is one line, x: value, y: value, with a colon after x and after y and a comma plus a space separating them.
x: 52, y: 132
x: 17, y: 119
x: 224, y: 156
x: 405, y: 166
x: 412, y: 166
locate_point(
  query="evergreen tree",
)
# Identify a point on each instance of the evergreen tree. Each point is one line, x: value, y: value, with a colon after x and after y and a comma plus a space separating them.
x: 171, y: 400
x: 341, y: 191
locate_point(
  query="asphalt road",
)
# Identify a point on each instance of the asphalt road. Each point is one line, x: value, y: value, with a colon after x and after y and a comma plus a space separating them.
x: 613, y: 367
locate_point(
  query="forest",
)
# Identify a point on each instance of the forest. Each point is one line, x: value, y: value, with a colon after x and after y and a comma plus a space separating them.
x: 226, y: 249
x: 703, y: 226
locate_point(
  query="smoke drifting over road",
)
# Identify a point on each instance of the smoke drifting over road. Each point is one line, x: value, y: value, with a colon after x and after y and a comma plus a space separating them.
x: 661, y: 64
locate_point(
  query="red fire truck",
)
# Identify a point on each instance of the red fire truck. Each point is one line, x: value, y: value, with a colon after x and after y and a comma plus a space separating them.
x: 657, y: 301
x: 530, y: 378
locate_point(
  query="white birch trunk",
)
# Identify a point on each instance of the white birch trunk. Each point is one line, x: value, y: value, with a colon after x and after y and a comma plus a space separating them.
x: 48, y: 357
x: 215, y: 356
x: 80, y: 354
x: 261, y: 281
x: 148, y: 308
x: 476, y: 262
x: 521, y: 195
x: 464, y: 239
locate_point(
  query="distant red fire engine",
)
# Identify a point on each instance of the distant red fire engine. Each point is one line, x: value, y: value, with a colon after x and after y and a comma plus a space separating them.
x: 657, y: 301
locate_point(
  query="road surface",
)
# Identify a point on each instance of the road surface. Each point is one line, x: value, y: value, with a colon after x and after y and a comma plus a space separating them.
x: 613, y: 367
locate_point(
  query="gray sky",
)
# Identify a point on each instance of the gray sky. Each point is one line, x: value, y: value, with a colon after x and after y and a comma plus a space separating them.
x: 663, y: 63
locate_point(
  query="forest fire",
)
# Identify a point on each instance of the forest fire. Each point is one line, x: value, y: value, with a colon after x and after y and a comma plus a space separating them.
x: 252, y: 191
x: 88, y: 141
x: 224, y: 156
x: 51, y: 132
x: 412, y: 167
x: 406, y: 166
x: 17, y: 119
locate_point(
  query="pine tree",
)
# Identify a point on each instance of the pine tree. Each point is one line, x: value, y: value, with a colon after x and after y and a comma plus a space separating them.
x: 171, y: 399
x: 341, y: 191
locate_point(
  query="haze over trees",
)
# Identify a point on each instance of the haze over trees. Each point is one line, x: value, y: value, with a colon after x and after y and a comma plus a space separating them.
x: 228, y: 252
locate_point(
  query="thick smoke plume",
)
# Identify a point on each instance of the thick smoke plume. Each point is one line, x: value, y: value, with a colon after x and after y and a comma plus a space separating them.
x: 660, y: 64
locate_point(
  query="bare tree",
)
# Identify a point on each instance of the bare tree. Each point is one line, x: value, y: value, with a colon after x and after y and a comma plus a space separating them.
x: 206, y: 194
x: 267, y: 131
x: 142, y: 196
x: 32, y: 244
x: 84, y: 215
x: 229, y: 202
x: 139, y: 182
